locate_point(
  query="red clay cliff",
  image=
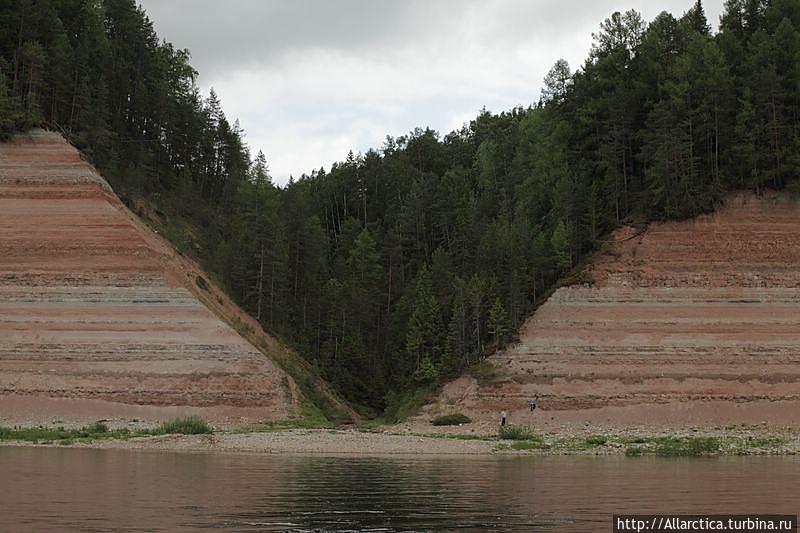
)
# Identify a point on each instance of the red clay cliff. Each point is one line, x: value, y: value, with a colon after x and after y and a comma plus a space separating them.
x: 98, y: 315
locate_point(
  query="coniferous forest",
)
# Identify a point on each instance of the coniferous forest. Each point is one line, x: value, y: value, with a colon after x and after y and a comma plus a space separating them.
x: 396, y: 269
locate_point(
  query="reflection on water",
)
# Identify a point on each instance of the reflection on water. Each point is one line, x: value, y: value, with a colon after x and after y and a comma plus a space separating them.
x: 100, y: 490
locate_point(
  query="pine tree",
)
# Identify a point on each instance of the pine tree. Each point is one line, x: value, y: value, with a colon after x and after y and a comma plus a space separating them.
x: 745, y: 151
x: 363, y: 286
x: 766, y: 96
x: 498, y: 324
x: 476, y: 297
x: 9, y: 112
x: 560, y: 242
x: 456, y: 353
x: 557, y: 83
x: 696, y: 19
x: 424, y: 332
x: 33, y: 61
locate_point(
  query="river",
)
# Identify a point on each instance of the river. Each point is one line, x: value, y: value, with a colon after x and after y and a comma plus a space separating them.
x: 55, y: 489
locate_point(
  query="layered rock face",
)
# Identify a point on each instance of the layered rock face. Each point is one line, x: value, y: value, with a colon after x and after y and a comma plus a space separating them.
x: 96, y: 319
x: 693, y: 323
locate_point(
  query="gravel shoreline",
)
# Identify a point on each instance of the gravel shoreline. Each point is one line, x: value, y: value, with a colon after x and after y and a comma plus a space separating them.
x: 294, y: 441
x: 353, y: 442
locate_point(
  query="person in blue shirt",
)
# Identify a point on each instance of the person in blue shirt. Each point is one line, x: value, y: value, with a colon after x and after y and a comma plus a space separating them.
x: 532, y: 402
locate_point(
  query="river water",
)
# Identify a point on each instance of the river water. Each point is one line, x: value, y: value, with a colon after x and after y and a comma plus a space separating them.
x: 54, y: 489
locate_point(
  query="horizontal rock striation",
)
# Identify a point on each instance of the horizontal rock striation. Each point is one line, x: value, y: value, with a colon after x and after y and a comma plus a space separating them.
x: 692, y: 323
x: 96, y: 320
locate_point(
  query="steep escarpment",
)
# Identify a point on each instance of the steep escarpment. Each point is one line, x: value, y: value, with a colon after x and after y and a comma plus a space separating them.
x: 99, y: 318
x: 692, y: 323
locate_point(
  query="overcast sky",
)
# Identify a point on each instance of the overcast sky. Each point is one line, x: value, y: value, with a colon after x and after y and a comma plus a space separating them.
x: 310, y: 80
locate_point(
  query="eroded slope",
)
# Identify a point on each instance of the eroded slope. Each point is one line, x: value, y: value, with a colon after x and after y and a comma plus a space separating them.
x: 96, y: 316
x: 693, y: 323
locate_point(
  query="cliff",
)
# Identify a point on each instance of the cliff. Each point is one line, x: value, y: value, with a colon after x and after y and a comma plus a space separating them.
x: 100, y: 318
x: 686, y: 324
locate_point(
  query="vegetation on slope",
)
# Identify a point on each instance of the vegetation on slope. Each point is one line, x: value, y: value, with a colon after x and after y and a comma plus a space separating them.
x: 397, y: 268
x: 454, y: 419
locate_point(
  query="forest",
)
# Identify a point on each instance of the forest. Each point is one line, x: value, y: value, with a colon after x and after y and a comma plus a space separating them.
x: 397, y: 269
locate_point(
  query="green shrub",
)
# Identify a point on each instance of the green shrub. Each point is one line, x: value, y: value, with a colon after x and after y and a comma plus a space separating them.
x: 510, y: 432
x: 98, y: 430
x: 97, y: 427
x: 596, y: 440
x: 688, y: 446
x: 191, y: 425
x: 451, y: 420
x: 537, y: 443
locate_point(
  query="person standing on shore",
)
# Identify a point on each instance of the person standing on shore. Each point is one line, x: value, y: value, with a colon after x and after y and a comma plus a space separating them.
x: 503, y: 417
x: 532, y: 402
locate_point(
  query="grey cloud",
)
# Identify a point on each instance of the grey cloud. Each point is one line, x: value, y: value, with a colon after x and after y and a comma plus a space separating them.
x: 225, y: 34
x: 311, y: 79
